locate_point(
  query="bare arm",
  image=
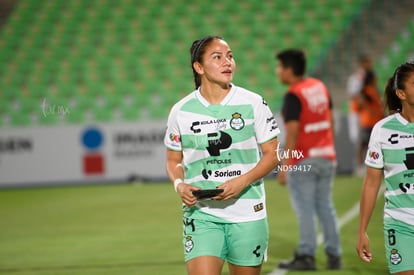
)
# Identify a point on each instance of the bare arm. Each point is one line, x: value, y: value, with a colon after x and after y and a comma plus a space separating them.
x: 266, y: 164
x: 174, y: 167
x: 176, y: 171
x: 332, y: 121
x: 371, y: 186
x: 292, y: 132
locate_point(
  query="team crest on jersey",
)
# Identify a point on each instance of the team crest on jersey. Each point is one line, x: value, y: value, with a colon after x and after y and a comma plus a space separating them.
x: 189, y: 244
x: 395, y: 257
x: 236, y: 122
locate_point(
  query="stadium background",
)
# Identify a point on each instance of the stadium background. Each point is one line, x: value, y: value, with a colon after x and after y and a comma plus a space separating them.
x: 90, y: 83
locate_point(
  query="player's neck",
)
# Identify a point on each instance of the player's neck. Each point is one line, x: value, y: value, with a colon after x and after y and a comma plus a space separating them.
x: 214, y: 94
x: 408, y: 114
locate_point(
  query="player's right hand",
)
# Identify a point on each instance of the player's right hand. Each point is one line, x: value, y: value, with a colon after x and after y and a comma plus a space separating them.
x: 185, y: 191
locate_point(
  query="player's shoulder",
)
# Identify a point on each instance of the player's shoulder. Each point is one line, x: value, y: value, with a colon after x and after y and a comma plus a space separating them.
x: 246, y: 92
x: 248, y: 95
x: 178, y: 106
x: 389, y: 122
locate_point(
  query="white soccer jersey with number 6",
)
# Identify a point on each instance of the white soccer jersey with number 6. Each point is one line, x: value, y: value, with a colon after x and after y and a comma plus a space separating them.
x: 391, y: 148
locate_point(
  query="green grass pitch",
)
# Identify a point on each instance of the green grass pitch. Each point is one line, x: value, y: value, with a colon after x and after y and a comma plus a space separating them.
x: 136, y: 229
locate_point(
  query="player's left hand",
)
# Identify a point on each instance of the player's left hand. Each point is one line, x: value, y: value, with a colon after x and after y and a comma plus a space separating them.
x: 232, y: 188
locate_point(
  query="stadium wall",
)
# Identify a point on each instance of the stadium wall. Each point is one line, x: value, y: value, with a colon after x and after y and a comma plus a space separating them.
x: 82, y: 154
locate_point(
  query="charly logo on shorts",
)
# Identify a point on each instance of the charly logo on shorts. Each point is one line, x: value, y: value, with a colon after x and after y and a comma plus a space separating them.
x: 236, y: 122
x: 189, y: 244
x: 395, y: 257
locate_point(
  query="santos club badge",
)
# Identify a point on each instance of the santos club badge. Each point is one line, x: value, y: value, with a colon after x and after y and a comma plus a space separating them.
x: 395, y: 257
x: 189, y: 244
x: 236, y: 122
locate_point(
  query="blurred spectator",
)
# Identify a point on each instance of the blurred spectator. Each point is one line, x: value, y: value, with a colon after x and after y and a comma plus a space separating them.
x: 368, y: 105
x: 390, y: 160
x: 308, y: 167
x: 354, y: 87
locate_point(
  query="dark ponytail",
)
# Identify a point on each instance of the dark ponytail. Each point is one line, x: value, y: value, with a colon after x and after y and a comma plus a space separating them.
x: 197, y: 50
x: 392, y: 102
x: 397, y: 81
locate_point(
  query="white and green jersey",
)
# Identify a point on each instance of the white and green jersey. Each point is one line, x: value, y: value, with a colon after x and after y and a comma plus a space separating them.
x: 391, y: 148
x: 220, y: 142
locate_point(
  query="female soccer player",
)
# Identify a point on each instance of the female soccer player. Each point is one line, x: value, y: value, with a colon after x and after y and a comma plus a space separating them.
x: 221, y: 136
x: 391, y: 156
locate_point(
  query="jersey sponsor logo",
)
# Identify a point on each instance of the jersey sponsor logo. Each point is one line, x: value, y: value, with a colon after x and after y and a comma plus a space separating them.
x: 409, y: 158
x: 227, y: 173
x: 406, y: 187
x: 195, y: 130
x: 237, y: 122
x: 220, y: 174
x: 393, y: 139
x: 206, y: 173
x: 195, y: 126
x: 218, y: 161
x: 273, y: 123
x: 218, y: 141
x: 271, y: 119
x: 409, y: 175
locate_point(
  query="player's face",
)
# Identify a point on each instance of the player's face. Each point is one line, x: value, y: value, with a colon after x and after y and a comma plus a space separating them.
x: 218, y: 65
